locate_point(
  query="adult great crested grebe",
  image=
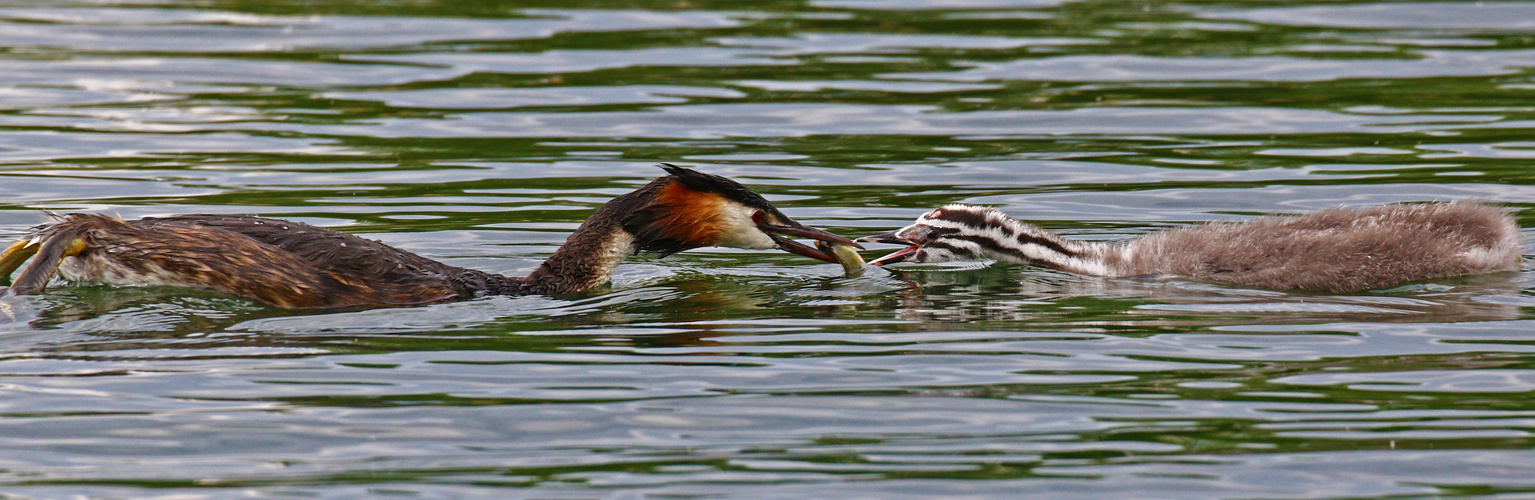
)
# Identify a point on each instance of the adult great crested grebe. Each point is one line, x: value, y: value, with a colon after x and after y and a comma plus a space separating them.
x: 1337, y: 250
x: 295, y: 265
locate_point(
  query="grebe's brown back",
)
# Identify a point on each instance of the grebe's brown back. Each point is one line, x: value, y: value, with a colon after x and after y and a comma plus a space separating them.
x: 296, y: 265
x: 1337, y: 250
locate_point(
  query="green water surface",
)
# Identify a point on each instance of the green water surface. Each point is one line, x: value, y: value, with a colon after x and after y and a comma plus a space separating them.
x: 481, y: 133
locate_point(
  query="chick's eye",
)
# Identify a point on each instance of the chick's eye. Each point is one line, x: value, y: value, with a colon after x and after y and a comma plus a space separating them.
x: 757, y: 217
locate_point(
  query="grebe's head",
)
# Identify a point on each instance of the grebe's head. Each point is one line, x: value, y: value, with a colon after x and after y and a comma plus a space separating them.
x: 947, y: 233
x: 691, y: 209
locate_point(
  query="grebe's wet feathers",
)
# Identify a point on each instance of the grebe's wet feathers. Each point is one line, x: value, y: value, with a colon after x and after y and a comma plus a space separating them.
x: 293, y: 265
x: 1335, y: 250
x: 277, y: 262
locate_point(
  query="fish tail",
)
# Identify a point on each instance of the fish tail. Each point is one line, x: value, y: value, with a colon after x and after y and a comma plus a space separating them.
x: 14, y: 255
x: 51, y: 246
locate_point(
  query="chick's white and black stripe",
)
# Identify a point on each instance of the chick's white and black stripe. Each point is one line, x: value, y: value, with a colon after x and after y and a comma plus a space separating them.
x: 966, y: 232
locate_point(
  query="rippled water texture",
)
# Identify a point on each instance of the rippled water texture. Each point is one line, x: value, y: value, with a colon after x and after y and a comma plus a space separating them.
x: 482, y: 133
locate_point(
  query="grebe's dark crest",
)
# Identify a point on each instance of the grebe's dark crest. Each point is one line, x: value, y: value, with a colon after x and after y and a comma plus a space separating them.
x: 296, y: 265
x: 1337, y: 250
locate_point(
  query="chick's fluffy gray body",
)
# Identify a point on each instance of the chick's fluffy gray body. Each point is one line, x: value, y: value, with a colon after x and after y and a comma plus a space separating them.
x: 1335, y: 250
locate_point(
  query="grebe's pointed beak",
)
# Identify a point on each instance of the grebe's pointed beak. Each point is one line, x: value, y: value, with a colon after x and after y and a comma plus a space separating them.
x: 892, y: 237
x: 781, y: 234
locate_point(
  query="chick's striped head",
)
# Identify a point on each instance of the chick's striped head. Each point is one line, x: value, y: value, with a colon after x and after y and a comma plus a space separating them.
x: 948, y: 233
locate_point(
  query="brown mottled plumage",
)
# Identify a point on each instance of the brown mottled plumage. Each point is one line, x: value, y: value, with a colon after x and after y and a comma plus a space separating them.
x: 296, y: 265
x: 1336, y: 250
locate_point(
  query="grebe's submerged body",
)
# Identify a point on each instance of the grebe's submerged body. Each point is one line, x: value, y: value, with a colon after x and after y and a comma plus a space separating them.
x: 296, y: 265
x: 1336, y: 250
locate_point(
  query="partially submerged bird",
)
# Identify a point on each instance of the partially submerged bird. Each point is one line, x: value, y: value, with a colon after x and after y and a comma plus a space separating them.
x: 296, y: 265
x: 1337, y: 250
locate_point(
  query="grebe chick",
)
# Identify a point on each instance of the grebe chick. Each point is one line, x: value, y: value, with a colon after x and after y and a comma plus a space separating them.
x: 296, y: 265
x: 1337, y: 250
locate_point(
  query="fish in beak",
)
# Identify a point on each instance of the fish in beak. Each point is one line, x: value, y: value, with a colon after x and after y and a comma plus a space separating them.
x: 780, y: 234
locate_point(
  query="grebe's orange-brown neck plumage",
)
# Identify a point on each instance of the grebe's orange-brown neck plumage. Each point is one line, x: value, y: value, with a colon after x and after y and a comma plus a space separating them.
x: 296, y: 265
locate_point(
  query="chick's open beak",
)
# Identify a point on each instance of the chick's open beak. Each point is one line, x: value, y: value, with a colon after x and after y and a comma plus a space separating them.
x: 889, y: 237
x: 901, y: 255
x: 781, y: 234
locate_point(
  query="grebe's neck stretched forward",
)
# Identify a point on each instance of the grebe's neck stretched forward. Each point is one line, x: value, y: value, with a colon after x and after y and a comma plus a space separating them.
x: 1337, y: 250
x: 296, y: 265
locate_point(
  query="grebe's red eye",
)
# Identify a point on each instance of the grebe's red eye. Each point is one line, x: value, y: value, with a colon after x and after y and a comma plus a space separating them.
x: 758, y: 216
